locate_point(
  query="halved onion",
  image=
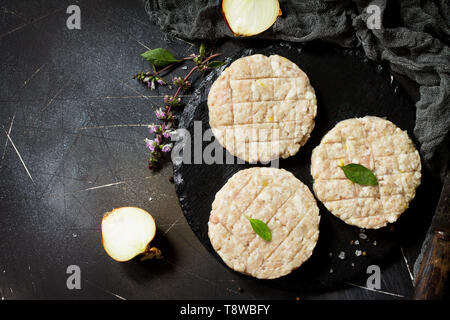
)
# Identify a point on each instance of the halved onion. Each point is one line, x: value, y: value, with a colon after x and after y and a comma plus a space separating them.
x: 250, y: 17
x: 127, y: 232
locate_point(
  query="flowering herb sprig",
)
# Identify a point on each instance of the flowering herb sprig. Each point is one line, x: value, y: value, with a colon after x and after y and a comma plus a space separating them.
x: 149, y: 79
x: 163, y: 59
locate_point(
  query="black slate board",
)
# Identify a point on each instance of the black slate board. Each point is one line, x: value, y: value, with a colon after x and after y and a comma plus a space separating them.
x: 347, y: 85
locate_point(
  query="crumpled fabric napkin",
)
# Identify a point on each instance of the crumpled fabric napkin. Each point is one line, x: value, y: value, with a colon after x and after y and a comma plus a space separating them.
x: 414, y: 39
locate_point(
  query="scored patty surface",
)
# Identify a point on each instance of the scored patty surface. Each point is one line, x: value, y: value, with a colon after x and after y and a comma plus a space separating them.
x: 262, y: 108
x: 382, y: 147
x: 280, y: 200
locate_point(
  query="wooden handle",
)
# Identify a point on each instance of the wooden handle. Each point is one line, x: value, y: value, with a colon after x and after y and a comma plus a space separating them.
x: 432, y: 277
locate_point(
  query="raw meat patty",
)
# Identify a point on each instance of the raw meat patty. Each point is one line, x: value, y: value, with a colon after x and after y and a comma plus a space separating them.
x: 381, y: 147
x: 280, y: 200
x: 262, y: 108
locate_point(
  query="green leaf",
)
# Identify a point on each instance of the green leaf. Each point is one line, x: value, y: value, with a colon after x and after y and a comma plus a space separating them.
x: 159, y: 57
x: 359, y: 174
x: 215, y: 64
x: 202, y: 50
x: 260, y: 228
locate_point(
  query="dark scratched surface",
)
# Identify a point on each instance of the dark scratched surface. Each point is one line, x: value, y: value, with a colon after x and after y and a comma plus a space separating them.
x: 73, y: 123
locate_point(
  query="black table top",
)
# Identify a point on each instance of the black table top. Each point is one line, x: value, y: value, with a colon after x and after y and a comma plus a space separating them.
x: 77, y: 122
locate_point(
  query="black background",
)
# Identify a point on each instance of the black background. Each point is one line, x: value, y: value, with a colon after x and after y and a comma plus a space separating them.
x: 78, y: 122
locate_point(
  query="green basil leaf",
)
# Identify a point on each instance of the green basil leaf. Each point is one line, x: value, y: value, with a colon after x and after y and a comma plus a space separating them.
x: 260, y: 228
x: 215, y: 64
x: 159, y: 57
x: 359, y: 174
x: 202, y: 50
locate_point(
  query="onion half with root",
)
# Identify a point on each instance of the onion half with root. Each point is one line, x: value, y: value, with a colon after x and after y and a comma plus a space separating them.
x: 250, y: 17
x: 127, y: 233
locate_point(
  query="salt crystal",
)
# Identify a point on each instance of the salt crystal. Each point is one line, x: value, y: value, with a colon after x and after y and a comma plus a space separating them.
x: 374, y: 243
x: 353, y: 264
x: 331, y: 270
x: 356, y: 242
x: 363, y: 236
x: 341, y: 255
x: 358, y: 253
x: 330, y: 254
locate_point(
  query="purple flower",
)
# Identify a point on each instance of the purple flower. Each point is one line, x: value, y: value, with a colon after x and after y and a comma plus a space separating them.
x: 154, y: 128
x: 151, y: 84
x: 150, y: 144
x: 158, y: 139
x: 160, y: 114
x: 178, y: 81
x: 167, y: 125
x: 167, y: 133
x: 171, y: 100
x: 166, y: 148
x: 161, y: 82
